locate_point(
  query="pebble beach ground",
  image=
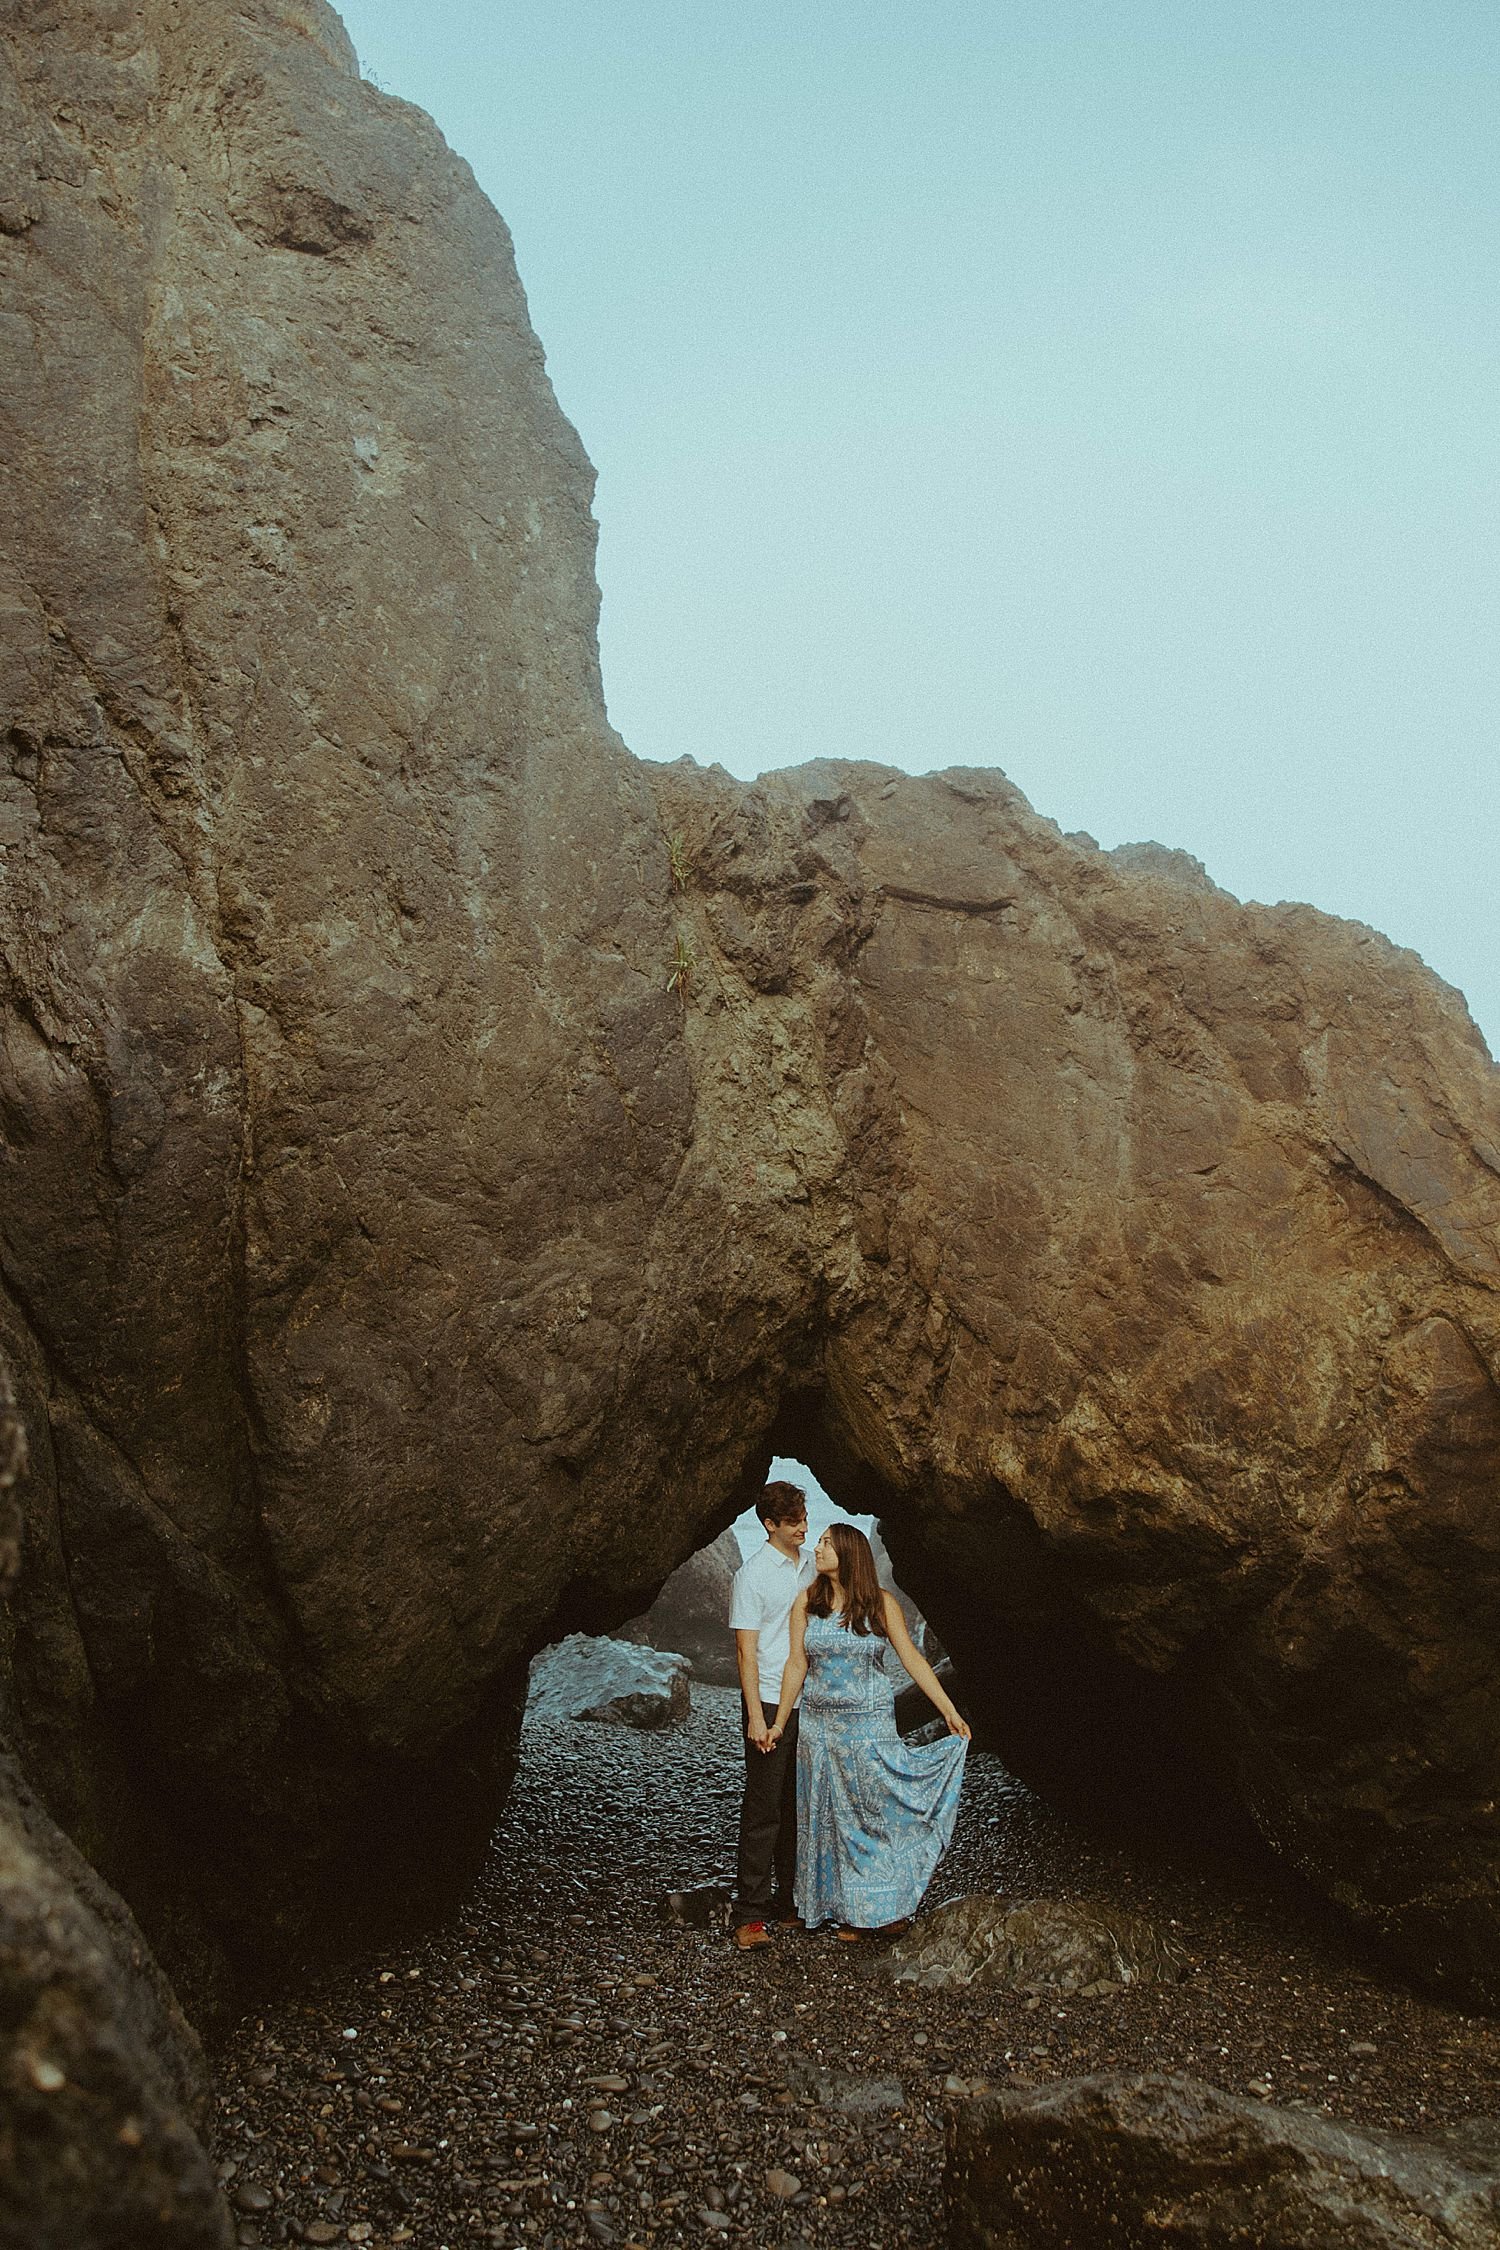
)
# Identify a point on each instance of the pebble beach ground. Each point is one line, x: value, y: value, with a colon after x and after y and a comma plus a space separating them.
x: 560, y: 2064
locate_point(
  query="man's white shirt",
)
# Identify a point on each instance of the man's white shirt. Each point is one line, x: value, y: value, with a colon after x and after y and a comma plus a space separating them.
x: 761, y: 1601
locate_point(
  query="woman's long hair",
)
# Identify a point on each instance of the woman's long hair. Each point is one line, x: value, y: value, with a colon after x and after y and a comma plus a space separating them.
x: 864, y: 1603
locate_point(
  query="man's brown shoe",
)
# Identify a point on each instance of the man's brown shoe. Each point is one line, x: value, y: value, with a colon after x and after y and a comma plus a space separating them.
x: 751, y: 1933
x: 790, y: 1922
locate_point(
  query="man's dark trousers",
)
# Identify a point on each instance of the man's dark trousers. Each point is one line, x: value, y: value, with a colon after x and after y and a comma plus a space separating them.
x: 768, y: 1824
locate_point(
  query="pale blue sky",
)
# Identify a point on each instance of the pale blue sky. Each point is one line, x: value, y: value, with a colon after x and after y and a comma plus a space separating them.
x: 1106, y: 392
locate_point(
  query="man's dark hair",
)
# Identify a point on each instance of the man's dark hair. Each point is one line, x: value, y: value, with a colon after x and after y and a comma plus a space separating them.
x: 781, y: 1503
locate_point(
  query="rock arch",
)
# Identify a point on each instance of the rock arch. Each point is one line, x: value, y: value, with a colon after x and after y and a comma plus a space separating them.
x: 444, y: 1154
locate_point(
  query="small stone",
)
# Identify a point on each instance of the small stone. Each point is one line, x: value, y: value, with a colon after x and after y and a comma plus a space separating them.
x: 609, y: 2085
x: 46, y: 2077
x: 1363, y: 2047
x: 783, y: 2185
x: 719, y: 2221
x: 250, y: 2196
x: 600, y: 2120
x: 361, y: 2231
x: 320, y: 2231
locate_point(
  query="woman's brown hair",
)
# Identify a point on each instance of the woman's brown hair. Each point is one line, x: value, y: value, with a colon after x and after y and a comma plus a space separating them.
x: 864, y: 1603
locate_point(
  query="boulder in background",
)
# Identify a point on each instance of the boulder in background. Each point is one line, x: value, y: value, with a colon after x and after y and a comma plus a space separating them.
x: 614, y: 1682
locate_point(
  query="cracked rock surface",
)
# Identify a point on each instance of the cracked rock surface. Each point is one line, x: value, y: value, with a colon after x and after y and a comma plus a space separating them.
x: 1113, y: 2160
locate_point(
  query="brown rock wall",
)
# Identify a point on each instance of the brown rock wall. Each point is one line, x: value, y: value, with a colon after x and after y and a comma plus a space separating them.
x: 1156, y: 1242
x: 344, y: 1093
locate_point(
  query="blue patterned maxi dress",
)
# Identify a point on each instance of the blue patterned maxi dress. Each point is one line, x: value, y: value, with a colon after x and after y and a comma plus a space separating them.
x: 874, y: 1814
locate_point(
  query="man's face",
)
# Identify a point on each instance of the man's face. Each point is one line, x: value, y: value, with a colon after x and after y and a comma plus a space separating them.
x: 788, y: 1536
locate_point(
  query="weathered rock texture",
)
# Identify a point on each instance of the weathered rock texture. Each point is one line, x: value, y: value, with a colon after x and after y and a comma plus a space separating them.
x: 103, y: 2091
x: 1159, y: 1242
x: 1035, y: 1945
x: 616, y: 1682
x: 1130, y: 2162
x: 445, y: 1159
x: 343, y: 1094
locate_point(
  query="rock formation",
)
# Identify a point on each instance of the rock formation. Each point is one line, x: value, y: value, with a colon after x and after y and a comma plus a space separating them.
x: 691, y: 1613
x: 1035, y: 1945
x: 104, y: 2087
x: 614, y: 1682
x: 1158, y: 1242
x: 1127, y: 2162
x: 446, y: 1158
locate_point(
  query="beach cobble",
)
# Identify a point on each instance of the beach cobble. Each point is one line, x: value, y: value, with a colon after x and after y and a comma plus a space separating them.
x: 562, y: 2063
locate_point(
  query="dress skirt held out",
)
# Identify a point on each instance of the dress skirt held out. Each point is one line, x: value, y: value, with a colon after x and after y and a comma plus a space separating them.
x: 874, y: 1814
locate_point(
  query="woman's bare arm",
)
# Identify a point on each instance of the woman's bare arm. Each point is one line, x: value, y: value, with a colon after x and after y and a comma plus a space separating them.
x: 796, y: 1667
x: 921, y: 1671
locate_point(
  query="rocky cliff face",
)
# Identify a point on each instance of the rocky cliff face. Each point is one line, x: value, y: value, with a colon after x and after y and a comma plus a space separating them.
x: 1159, y: 1241
x: 343, y: 1089
x: 444, y: 1157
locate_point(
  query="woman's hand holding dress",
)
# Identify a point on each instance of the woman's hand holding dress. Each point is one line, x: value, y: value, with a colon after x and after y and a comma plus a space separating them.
x: 921, y: 1671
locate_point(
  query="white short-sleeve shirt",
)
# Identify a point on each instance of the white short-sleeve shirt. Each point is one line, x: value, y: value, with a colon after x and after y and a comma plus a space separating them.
x: 760, y: 1601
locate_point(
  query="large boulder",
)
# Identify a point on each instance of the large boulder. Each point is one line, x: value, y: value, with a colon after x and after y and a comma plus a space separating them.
x: 1127, y: 2163
x: 610, y: 1681
x: 103, y: 2090
x: 351, y: 1271
x: 1040, y: 1945
x: 104, y: 2096
x: 447, y: 1159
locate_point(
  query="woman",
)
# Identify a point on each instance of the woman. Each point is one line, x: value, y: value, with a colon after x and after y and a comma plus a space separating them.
x: 874, y: 1815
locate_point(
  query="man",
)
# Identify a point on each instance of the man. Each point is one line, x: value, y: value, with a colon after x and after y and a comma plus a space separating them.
x: 760, y: 1609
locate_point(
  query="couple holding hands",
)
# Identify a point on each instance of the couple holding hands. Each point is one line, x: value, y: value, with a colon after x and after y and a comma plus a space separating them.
x: 842, y: 1821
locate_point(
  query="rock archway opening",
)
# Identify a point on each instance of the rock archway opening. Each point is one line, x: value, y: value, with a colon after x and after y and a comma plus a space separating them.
x: 1075, y: 1730
x: 1117, y: 1745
